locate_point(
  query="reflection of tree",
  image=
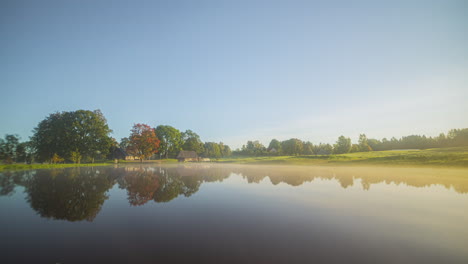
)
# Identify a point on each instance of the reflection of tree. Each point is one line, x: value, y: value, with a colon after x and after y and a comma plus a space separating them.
x: 345, y: 181
x: 289, y: 175
x: 190, y: 185
x: 71, y: 194
x: 10, y: 179
x: 171, y: 187
x: 186, y: 180
x: 345, y: 176
x: 141, y: 186
x: 7, y: 184
x: 78, y: 194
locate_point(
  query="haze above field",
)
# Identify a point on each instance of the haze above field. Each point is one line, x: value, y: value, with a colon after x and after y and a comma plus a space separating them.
x: 239, y: 70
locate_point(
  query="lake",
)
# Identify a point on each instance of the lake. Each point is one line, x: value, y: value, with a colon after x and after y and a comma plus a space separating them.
x: 208, y: 213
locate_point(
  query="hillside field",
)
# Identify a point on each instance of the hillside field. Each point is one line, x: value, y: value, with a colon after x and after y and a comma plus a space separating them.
x: 450, y: 157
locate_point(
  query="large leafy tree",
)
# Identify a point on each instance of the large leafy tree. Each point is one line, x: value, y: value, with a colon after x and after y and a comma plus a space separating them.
x: 363, y: 143
x: 458, y: 137
x: 212, y: 150
x: 124, y: 143
x: 143, y: 141
x: 323, y: 149
x: 253, y: 148
x: 192, y: 141
x: 225, y: 150
x: 308, y: 148
x: 82, y: 131
x: 171, y: 140
x: 9, y: 148
x: 275, y: 145
x: 292, y: 146
x: 343, y: 145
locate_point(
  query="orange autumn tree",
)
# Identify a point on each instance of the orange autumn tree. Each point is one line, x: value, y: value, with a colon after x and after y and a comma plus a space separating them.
x: 143, y: 141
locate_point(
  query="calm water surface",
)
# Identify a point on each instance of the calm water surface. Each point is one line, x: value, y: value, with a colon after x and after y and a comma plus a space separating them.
x: 234, y: 214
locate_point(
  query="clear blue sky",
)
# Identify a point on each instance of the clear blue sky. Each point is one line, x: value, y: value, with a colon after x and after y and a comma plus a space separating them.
x: 234, y: 71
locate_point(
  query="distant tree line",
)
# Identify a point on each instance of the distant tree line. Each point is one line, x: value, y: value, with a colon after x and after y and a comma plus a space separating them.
x: 84, y: 136
x: 294, y: 146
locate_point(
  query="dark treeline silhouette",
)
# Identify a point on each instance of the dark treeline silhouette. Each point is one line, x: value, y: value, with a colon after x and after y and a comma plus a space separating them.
x: 78, y: 194
x: 84, y: 136
x: 294, y: 146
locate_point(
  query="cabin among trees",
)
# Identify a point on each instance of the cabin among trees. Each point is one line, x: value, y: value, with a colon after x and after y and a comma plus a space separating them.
x: 187, y: 156
x: 121, y: 154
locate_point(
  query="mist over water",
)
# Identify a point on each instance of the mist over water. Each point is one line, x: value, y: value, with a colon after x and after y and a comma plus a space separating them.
x: 234, y: 213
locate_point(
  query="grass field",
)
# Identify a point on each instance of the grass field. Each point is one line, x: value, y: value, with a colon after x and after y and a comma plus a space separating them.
x: 445, y: 157
x: 449, y: 157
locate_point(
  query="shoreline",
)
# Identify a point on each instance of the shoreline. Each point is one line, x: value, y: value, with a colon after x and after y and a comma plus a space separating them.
x: 440, y: 158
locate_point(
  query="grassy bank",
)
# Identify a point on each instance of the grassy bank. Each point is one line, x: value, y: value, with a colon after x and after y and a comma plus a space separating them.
x: 48, y: 166
x: 22, y: 166
x: 449, y: 157
x: 165, y: 161
x: 442, y: 157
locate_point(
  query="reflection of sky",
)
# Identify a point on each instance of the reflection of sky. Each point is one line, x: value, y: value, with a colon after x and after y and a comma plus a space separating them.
x: 388, y: 222
x: 239, y: 70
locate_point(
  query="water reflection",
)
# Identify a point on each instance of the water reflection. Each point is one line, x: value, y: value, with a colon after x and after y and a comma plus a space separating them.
x: 72, y: 194
x: 78, y: 194
x: 414, y: 177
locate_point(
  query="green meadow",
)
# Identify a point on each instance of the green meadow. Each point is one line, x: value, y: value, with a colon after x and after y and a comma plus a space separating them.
x: 450, y: 157
x: 440, y: 157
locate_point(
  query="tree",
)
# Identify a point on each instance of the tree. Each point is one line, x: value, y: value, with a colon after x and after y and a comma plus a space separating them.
x: 124, y: 143
x: 143, y: 141
x: 323, y: 149
x: 253, y: 148
x: 212, y: 150
x: 308, y: 148
x: 275, y: 145
x: 83, y: 131
x: 363, y: 144
x: 355, y: 148
x: 191, y: 141
x: 56, y: 159
x: 458, y: 137
x: 8, y: 148
x: 226, y: 150
x: 21, y: 153
x: 171, y: 140
x: 75, y: 156
x: 292, y: 146
x: 343, y: 145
